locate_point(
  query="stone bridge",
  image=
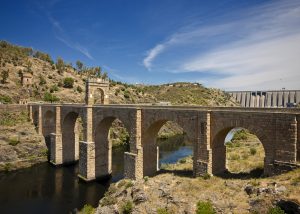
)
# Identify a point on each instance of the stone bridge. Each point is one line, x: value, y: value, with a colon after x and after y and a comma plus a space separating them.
x: 277, y: 129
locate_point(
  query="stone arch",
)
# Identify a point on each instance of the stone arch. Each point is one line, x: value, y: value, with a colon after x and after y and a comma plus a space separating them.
x: 219, y: 149
x: 70, y: 137
x: 99, y: 96
x: 150, y: 152
x: 103, y: 146
x: 48, y: 127
x: 35, y: 118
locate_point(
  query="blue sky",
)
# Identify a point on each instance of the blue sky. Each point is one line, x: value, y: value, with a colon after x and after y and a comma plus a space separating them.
x: 232, y: 45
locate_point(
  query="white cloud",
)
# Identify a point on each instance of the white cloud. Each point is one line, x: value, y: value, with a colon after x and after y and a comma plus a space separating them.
x: 259, y: 49
x: 152, y: 54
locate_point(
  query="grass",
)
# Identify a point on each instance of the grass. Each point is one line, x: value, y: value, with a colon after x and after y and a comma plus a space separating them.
x: 87, y: 209
x: 205, y: 207
x: 127, y: 207
x: 12, y: 119
x: 162, y: 211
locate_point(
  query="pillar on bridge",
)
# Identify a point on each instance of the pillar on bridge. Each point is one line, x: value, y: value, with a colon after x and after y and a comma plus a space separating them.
x: 40, y: 120
x: 298, y: 138
x: 202, y: 163
x: 87, y: 148
x: 133, y: 160
x: 30, y: 113
x: 56, y: 152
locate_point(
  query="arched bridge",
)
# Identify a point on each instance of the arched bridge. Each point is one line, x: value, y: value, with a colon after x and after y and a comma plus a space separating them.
x: 277, y: 129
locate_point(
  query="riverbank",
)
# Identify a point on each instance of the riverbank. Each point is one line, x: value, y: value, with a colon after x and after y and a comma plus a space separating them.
x: 175, y: 191
x: 20, y: 145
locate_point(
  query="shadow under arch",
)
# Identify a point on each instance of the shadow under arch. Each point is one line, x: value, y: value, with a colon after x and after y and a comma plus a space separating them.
x: 150, y: 150
x: 35, y: 119
x: 70, y: 137
x: 219, y: 161
x: 48, y: 128
x: 103, y: 147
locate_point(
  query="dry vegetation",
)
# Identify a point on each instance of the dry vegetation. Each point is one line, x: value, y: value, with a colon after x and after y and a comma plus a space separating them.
x: 174, y: 190
x: 49, y: 82
x: 20, y: 146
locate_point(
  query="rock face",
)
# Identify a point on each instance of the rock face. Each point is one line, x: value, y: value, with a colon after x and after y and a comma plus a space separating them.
x: 20, y: 145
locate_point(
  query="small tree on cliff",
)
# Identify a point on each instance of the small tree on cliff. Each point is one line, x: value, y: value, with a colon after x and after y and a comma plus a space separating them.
x: 4, y: 76
x: 79, y: 65
x: 60, y: 65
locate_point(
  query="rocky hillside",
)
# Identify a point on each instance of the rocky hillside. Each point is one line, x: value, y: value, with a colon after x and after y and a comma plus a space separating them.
x: 20, y: 145
x: 61, y: 82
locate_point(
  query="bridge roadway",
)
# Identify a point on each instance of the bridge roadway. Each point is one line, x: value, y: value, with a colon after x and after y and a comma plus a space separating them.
x: 278, y: 129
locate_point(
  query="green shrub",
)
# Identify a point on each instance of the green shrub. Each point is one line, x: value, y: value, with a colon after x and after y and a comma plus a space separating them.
x: 108, y: 200
x: 206, y: 176
x: 5, y: 99
x: 127, y: 207
x: 162, y: 211
x: 253, y: 151
x: 68, y: 82
x: 275, y: 210
x: 79, y: 89
x: 13, y: 141
x: 53, y: 88
x: 129, y: 184
x: 42, y: 80
x: 7, y: 167
x: 48, y: 97
x: 205, y: 207
x: 126, y: 94
x: 87, y: 209
x: 146, y: 178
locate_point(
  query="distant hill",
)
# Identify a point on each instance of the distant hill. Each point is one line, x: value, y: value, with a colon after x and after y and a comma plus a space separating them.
x: 48, y: 83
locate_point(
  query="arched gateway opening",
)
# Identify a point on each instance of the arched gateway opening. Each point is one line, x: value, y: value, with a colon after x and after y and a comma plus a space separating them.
x: 237, y: 152
x: 111, y: 141
x: 167, y: 148
x: 71, y: 135
x: 48, y: 128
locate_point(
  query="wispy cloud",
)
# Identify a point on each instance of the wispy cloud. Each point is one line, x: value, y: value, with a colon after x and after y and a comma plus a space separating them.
x: 152, y: 54
x: 62, y: 36
x: 258, y: 48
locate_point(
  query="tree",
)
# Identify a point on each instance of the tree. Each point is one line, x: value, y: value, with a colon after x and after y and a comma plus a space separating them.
x: 97, y: 71
x: 79, y: 65
x: 68, y: 82
x: 105, y: 75
x: 4, y: 76
x: 28, y: 67
x: 48, y: 97
x: 60, y: 65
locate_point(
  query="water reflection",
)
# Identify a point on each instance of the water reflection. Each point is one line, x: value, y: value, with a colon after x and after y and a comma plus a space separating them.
x: 47, y: 189
x: 173, y: 149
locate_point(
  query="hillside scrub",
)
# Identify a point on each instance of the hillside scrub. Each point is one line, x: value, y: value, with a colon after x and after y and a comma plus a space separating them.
x: 46, y: 73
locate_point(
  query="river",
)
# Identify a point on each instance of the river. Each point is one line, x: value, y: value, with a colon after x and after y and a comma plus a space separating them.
x: 45, y: 189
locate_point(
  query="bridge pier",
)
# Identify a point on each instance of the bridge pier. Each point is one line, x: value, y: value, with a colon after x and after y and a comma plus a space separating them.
x: 56, y: 151
x: 133, y: 160
x: 87, y: 161
x: 202, y: 158
x: 56, y: 148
